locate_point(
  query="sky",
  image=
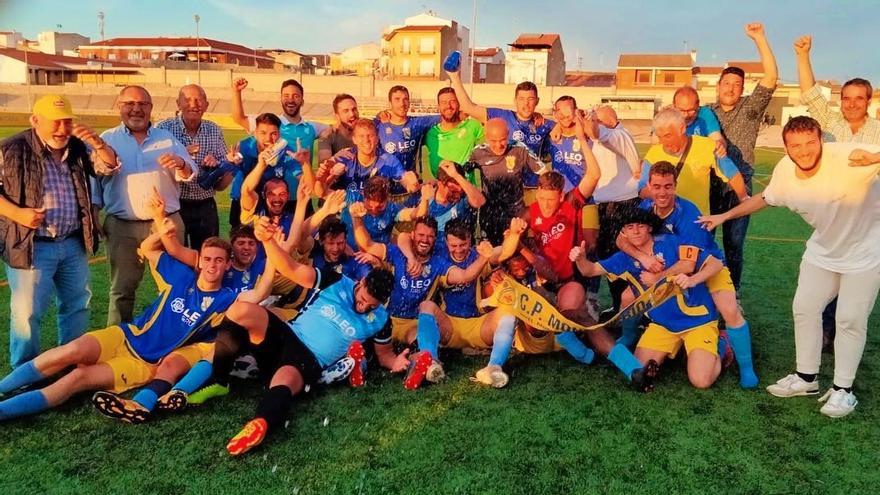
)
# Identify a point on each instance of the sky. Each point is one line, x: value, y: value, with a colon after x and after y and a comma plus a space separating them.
x: 593, y: 33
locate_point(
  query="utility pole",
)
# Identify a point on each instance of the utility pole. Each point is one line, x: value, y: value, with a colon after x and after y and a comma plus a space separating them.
x: 101, y: 23
x: 198, y: 52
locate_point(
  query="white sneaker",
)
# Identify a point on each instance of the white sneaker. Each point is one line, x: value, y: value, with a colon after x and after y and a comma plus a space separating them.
x: 793, y: 386
x: 492, y: 376
x: 839, y: 403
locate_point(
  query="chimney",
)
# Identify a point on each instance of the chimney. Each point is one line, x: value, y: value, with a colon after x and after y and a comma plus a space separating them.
x: 694, y: 56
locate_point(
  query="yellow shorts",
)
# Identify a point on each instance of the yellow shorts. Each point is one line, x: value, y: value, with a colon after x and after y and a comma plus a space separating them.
x: 528, y: 343
x: 466, y: 333
x: 404, y: 329
x: 657, y: 338
x: 129, y: 371
x: 590, y: 217
x: 194, y: 353
x: 721, y: 282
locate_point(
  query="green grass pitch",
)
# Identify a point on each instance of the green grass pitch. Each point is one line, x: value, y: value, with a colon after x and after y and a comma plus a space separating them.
x: 557, y: 428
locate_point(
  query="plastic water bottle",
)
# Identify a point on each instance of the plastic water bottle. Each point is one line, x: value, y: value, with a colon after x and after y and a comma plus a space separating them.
x: 452, y: 62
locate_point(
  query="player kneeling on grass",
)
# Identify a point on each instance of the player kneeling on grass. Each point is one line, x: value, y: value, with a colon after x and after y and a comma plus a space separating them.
x: 340, y: 311
x: 679, y: 217
x: 689, y: 319
x: 175, y: 330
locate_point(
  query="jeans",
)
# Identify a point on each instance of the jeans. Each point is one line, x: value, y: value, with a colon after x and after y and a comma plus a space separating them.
x: 734, y: 232
x: 60, y: 269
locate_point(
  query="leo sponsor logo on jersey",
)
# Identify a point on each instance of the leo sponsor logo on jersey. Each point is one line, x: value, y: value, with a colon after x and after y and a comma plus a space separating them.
x: 188, y: 316
x: 554, y: 233
x: 329, y: 312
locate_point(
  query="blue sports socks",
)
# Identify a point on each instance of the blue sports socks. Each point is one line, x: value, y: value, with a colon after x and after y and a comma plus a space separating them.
x: 503, y: 340
x: 573, y: 345
x: 23, y: 405
x: 624, y: 360
x: 428, y: 334
x: 19, y: 377
x: 629, y: 332
x: 148, y: 395
x: 197, y: 376
x: 741, y: 341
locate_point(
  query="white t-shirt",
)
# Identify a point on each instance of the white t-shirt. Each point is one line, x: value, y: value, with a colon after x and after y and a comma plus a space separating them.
x: 841, y: 202
x: 615, y: 152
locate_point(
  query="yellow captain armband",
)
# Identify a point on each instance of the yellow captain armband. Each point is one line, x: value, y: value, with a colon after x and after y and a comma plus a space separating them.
x: 590, y: 217
x: 688, y: 253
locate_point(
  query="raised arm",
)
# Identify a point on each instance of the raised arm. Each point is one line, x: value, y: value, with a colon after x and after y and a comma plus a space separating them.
x: 755, y: 31
x: 591, y: 167
x: 168, y: 232
x: 457, y: 276
x: 467, y: 105
x: 510, y: 245
x: 361, y: 235
x: 237, y: 112
x: 249, y: 195
x: 333, y: 204
x: 425, y: 198
x: 475, y: 196
x: 298, y: 273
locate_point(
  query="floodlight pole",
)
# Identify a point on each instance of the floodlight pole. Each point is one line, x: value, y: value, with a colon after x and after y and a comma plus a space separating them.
x: 198, y: 54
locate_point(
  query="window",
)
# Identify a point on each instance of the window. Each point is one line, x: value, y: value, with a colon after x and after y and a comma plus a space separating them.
x: 111, y: 56
x: 643, y: 77
x: 426, y: 45
x: 426, y: 67
x: 669, y: 79
x: 404, y: 68
x: 404, y: 45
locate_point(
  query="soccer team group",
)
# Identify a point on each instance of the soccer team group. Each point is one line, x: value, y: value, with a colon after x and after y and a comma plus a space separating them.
x: 364, y: 258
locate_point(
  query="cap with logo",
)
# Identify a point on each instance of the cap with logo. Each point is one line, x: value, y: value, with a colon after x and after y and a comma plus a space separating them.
x: 54, y: 107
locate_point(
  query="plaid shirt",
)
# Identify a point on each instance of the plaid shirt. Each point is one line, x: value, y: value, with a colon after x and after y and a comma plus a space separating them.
x: 210, y: 141
x: 59, y: 199
x: 834, y: 126
x: 741, y: 124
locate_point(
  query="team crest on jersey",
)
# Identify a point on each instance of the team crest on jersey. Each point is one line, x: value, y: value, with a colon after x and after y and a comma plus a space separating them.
x: 388, y: 131
x: 406, y: 133
x: 245, y: 278
x: 279, y: 172
x: 390, y: 147
x: 178, y: 305
x: 426, y: 270
x: 461, y: 133
x: 510, y: 163
x: 206, y: 303
x: 519, y: 135
x: 538, y: 221
x: 327, y: 311
x: 670, y: 228
x: 532, y: 128
x: 370, y: 317
x: 576, y: 146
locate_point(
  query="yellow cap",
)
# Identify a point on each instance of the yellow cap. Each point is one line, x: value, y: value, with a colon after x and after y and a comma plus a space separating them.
x: 54, y: 107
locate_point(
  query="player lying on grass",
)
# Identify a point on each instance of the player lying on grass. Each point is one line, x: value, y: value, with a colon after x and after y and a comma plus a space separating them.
x: 292, y: 353
x: 689, y: 319
x: 460, y: 323
x: 176, y: 328
x: 679, y: 217
x: 159, y: 389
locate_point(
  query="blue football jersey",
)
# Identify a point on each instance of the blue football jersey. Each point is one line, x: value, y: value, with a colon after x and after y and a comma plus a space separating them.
x: 379, y: 226
x: 182, y: 314
x: 461, y: 300
x: 692, y: 309
x: 241, y: 280
x: 328, y: 323
x: 287, y: 168
x: 346, y: 265
x: 568, y: 160
x: 410, y: 291
x: 356, y: 176
x: 682, y: 223
x: 404, y: 141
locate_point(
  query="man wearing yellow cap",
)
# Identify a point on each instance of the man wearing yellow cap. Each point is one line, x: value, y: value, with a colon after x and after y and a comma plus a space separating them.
x: 47, y: 229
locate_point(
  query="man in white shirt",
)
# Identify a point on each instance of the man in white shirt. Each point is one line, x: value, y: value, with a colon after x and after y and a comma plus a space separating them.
x: 834, y: 187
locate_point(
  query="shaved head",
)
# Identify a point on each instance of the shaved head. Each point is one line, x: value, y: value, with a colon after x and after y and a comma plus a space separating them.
x: 496, y: 135
x: 607, y: 116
